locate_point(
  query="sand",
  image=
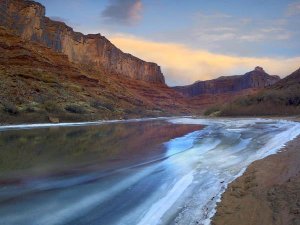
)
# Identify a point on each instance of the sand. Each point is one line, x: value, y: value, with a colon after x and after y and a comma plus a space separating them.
x: 268, y: 192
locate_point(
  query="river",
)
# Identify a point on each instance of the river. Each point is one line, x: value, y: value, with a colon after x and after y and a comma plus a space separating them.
x: 137, y: 172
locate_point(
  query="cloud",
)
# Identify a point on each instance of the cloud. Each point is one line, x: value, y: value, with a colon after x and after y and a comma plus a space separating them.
x: 293, y: 9
x: 237, y: 34
x: 183, y: 65
x: 222, y: 27
x: 123, y: 12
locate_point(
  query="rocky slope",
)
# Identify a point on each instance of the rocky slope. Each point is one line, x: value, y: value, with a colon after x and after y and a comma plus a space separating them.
x: 256, y: 79
x: 282, y: 98
x: 28, y: 19
x: 39, y: 84
x: 289, y: 81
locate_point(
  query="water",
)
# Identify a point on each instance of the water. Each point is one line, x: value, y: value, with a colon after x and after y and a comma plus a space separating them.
x: 159, y: 171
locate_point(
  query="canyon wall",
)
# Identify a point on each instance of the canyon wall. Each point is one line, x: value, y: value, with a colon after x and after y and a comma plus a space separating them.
x: 255, y: 79
x: 28, y: 19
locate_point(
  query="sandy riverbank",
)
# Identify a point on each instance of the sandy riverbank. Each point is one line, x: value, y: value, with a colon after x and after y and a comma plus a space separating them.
x: 267, y: 194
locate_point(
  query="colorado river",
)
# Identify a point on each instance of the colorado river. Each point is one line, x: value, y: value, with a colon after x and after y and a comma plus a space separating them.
x: 139, y: 172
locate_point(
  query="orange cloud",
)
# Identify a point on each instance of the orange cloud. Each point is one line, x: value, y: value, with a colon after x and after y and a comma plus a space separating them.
x: 183, y: 65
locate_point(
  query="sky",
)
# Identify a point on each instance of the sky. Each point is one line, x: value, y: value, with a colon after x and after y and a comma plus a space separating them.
x: 194, y: 39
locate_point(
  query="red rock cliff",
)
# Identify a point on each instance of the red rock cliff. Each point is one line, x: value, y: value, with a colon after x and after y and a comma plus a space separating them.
x: 28, y: 19
x: 256, y: 79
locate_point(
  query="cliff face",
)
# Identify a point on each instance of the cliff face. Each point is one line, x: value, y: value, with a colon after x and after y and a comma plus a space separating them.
x: 256, y: 79
x: 38, y: 85
x: 28, y: 19
x: 282, y: 98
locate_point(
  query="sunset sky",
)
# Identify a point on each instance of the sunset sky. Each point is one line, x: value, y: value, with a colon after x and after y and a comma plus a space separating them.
x: 196, y: 39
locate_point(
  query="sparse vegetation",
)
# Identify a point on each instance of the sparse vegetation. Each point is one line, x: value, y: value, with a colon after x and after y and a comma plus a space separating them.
x: 109, y: 106
x: 135, y: 111
x: 212, y: 110
x: 268, y: 102
x: 10, y: 108
x: 96, y: 104
x: 52, y: 107
x: 101, y: 105
x: 75, y: 109
x: 281, y: 99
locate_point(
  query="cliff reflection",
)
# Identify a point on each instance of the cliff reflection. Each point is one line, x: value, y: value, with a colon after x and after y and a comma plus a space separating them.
x: 63, y: 150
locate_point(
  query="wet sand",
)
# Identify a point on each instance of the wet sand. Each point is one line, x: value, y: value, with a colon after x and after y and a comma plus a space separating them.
x: 267, y: 194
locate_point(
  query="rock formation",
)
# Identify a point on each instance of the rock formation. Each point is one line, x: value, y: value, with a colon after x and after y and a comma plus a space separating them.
x: 40, y: 85
x: 28, y: 19
x: 291, y: 80
x: 280, y: 99
x: 255, y: 79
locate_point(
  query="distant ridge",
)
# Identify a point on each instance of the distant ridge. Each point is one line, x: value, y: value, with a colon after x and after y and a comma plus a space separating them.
x: 256, y: 79
x: 282, y: 98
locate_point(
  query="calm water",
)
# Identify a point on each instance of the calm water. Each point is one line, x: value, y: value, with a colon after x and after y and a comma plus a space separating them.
x: 145, y: 172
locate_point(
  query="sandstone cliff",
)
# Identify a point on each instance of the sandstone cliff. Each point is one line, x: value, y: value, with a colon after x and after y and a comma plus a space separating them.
x: 40, y: 85
x: 255, y: 79
x: 282, y: 98
x: 28, y: 19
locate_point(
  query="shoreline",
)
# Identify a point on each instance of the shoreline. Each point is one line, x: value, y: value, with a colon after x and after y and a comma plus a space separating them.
x: 34, y: 125
x: 46, y: 121
x: 267, y: 193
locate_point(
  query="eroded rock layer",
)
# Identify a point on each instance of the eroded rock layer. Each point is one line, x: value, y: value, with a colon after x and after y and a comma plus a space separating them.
x: 41, y: 85
x: 28, y: 19
x: 255, y: 79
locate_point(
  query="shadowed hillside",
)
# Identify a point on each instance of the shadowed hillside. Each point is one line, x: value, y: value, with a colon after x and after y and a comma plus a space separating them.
x: 282, y: 98
x: 256, y: 79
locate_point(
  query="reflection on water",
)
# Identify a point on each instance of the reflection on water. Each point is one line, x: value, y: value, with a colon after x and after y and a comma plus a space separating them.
x: 36, y: 152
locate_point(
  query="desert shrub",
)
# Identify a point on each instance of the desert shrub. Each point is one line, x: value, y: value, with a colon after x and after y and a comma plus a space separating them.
x: 211, y: 110
x: 10, y: 108
x: 134, y: 110
x: 109, y: 106
x: 75, y: 109
x: 76, y: 88
x: 96, y: 104
x: 52, y: 107
x: 245, y: 101
x: 102, y: 105
x: 292, y: 98
x: 41, y: 98
x: 45, y: 76
x: 30, y: 109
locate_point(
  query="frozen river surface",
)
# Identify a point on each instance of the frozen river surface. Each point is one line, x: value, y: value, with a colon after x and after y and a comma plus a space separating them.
x: 140, y: 172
